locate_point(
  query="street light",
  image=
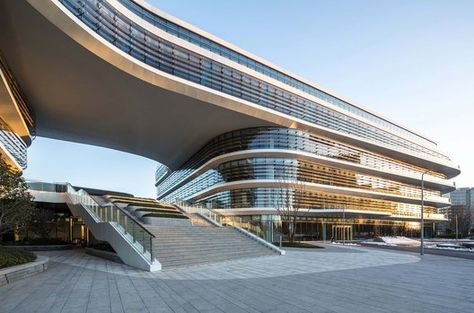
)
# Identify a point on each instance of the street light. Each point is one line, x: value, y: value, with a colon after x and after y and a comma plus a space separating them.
x: 422, y: 248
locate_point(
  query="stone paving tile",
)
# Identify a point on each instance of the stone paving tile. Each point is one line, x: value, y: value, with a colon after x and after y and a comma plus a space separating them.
x: 348, y: 279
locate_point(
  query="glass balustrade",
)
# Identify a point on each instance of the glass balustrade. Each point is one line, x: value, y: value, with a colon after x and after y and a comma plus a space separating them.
x: 124, y: 223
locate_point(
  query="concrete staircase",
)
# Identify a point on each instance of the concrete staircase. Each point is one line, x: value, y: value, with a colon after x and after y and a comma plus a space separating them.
x: 149, y: 211
x: 176, y: 246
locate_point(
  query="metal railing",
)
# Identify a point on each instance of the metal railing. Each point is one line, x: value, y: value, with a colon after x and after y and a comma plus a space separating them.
x: 219, y: 218
x: 124, y: 223
x: 201, y: 209
x: 238, y: 222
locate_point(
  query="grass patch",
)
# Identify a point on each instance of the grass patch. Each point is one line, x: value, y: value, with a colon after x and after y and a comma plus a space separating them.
x: 10, y: 257
x: 35, y: 242
x: 298, y: 244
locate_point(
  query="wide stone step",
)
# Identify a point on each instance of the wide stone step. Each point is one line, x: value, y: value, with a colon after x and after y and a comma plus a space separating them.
x: 190, y: 244
x: 219, y: 246
x: 190, y: 236
x: 167, y: 263
x: 192, y: 230
x: 206, y: 254
x: 194, y: 227
x: 209, y: 237
x: 206, y: 249
x: 181, y: 263
x: 202, y: 238
x: 196, y: 233
x: 165, y: 247
x: 205, y: 244
x: 196, y: 260
x: 187, y: 245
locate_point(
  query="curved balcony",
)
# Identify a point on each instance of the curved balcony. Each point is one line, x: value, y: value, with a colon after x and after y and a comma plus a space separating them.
x: 295, y: 144
x: 12, y: 146
x: 433, y: 201
x: 14, y: 109
x: 430, y: 182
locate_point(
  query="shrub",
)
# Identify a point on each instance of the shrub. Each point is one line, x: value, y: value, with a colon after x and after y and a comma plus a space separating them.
x: 35, y: 242
x: 10, y: 257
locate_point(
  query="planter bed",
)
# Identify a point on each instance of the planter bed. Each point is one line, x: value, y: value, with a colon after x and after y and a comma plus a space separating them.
x: 11, y: 257
x: 41, y: 247
x: 17, y: 272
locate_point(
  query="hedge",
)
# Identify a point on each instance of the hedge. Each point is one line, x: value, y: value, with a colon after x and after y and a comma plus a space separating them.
x: 10, y: 257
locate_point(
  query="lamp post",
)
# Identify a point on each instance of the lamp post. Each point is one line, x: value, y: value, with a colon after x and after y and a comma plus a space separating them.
x: 457, y: 237
x: 422, y: 237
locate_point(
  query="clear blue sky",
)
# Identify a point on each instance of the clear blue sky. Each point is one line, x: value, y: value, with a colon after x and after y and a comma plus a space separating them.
x: 412, y: 61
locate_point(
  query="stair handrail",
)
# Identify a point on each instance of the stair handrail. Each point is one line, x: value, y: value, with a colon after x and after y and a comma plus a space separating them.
x: 254, y: 229
x: 131, y: 217
x: 218, y: 218
x: 123, y: 221
x: 194, y: 208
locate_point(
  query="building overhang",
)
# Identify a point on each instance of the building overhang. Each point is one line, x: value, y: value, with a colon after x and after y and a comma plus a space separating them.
x: 80, y: 97
x: 85, y: 90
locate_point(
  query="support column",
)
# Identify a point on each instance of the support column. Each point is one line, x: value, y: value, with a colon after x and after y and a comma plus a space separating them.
x: 323, y: 230
x: 70, y: 229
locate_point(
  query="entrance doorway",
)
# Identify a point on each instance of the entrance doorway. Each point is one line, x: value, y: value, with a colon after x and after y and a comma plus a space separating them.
x: 342, y: 232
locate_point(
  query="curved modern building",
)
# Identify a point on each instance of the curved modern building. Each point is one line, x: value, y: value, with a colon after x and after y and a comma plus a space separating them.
x: 232, y: 131
x: 16, y: 121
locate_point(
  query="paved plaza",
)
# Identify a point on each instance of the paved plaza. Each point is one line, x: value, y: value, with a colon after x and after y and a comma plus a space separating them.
x: 335, y: 279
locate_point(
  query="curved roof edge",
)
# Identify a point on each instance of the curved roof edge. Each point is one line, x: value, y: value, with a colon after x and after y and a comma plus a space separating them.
x: 154, y: 10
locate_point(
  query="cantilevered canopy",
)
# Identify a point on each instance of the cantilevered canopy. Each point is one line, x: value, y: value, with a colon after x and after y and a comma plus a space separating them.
x: 77, y: 96
x: 86, y: 90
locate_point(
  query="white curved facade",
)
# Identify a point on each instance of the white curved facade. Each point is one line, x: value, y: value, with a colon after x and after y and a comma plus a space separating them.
x: 232, y: 129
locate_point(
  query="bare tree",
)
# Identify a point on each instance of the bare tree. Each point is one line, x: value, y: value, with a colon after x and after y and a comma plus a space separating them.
x: 288, y: 204
x: 16, y: 205
x: 464, y: 222
x: 42, y: 222
x: 461, y: 215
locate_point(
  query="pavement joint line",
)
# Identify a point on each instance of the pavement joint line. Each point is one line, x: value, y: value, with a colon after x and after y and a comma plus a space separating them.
x: 326, y: 280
